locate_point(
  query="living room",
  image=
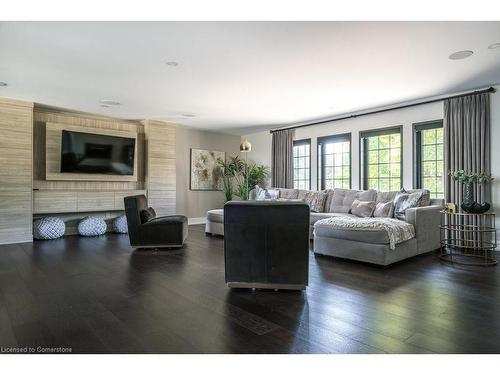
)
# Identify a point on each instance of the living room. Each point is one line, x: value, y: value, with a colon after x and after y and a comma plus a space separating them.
x: 249, y: 187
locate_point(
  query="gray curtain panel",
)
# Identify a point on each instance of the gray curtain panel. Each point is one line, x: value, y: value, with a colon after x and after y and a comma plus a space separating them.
x: 467, y: 142
x: 282, y: 158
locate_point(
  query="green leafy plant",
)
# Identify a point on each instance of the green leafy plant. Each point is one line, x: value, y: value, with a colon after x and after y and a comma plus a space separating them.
x: 257, y: 175
x: 235, y: 173
x: 466, y: 177
x: 231, y: 170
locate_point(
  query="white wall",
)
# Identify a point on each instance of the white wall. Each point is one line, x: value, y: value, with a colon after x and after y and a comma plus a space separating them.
x: 261, y: 147
x: 195, y: 204
x: 261, y: 142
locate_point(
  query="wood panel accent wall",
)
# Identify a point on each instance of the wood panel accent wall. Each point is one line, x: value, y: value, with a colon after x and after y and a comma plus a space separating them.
x: 53, y: 144
x: 44, y: 115
x: 16, y: 119
x: 160, y: 161
x: 53, y: 201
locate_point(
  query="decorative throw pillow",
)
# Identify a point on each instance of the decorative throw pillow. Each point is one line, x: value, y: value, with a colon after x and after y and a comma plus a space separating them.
x: 405, y: 200
x: 426, y: 198
x: 272, y: 194
x: 147, y: 215
x: 383, y: 209
x: 315, y: 200
x: 362, y: 208
x: 259, y: 194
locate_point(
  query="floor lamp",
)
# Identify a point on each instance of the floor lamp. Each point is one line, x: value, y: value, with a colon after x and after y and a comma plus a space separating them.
x: 246, y: 147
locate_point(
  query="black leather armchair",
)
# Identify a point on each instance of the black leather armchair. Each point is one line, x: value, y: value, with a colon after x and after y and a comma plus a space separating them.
x: 266, y: 244
x: 166, y: 231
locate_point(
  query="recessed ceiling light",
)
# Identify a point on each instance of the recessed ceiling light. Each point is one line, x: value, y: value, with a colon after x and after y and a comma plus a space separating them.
x: 494, y: 45
x: 459, y: 55
x: 188, y: 115
x: 109, y: 102
x: 3, y: 84
x: 172, y: 63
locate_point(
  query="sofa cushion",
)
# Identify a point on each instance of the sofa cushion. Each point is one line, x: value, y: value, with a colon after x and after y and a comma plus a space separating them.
x: 302, y: 193
x: 362, y: 208
x: 369, y: 236
x: 216, y: 216
x: 288, y: 193
x: 316, y: 216
x: 328, y: 201
x: 342, y: 199
x: 386, y: 196
x: 384, y: 209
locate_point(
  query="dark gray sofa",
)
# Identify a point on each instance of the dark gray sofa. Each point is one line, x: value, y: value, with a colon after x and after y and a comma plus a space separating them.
x: 266, y: 244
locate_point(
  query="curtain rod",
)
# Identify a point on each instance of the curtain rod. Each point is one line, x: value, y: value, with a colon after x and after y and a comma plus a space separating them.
x: 420, y: 102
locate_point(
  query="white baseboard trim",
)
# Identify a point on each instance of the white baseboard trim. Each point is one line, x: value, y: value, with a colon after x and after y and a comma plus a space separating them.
x: 197, y: 220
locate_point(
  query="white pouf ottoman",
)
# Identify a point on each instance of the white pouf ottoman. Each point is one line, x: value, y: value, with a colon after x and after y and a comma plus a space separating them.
x: 215, y: 222
x: 48, y: 228
x: 120, y: 224
x: 91, y: 226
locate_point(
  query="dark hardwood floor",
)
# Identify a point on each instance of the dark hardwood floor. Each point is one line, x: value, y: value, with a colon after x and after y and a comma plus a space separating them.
x: 98, y: 295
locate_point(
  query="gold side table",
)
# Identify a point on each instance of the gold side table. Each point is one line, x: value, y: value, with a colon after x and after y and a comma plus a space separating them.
x: 469, y: 239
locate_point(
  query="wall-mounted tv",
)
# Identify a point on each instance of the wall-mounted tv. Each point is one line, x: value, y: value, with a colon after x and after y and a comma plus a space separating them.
x: 96, y: 153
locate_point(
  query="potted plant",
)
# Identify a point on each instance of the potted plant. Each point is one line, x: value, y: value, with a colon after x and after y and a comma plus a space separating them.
x: 257, y: 175
x: 231, y: 171
x: 469, y: 179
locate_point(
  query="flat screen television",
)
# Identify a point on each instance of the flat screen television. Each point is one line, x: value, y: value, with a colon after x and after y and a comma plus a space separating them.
x: 96, y: 153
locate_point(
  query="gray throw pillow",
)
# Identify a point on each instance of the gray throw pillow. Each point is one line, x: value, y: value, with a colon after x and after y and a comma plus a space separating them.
x: 383, y: 209
x: 316, y: 200
x: 272, y: 194
x: 405, y: 200
x: 362, y: 208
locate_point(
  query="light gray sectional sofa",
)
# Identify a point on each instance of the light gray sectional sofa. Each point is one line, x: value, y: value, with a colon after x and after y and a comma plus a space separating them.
x: 372, y: 245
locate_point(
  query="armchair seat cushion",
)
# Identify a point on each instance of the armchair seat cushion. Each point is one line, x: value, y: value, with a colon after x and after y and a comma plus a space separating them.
x: 180, y: 219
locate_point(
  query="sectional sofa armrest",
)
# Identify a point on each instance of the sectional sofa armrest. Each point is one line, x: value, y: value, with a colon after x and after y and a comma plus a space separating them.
x: 426, y: 221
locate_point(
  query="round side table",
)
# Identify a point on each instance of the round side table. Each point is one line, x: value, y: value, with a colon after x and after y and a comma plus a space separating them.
x: 468, y: 239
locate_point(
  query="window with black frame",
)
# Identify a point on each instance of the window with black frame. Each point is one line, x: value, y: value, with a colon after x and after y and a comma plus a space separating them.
x: 380, y: 155
x: 428, y: 139
x: 334, y: 161
x: 302, y: 164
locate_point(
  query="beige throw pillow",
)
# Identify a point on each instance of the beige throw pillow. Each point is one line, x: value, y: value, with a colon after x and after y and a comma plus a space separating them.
x: 362, y: 208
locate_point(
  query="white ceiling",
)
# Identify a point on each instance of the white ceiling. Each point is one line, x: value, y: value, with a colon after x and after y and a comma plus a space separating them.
x: 241, y: 77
